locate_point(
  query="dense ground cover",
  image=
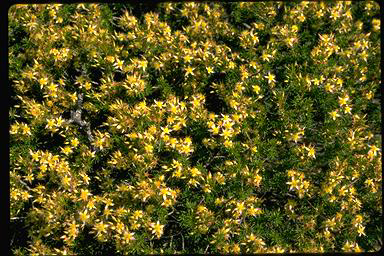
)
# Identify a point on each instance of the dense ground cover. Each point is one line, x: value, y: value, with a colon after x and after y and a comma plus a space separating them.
x: 195, y: 128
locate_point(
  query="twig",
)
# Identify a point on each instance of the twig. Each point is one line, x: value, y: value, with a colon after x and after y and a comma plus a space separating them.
x: 172, y: 235
x: 206, y: 249
x: 17, y: 218
x: 247, y: 26
x: 218, y: 157
x: 76, y: 118
x: 290, y: 195
x: 311, y: 204
x: 182, y: 241
x: 13, y: 237
x: 210, y: 159
x: 25, y: 184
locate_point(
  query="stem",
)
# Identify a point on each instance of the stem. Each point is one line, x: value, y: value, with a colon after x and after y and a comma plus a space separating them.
x: 17, y: 218
x: 76, y: 118
x: 25, y: 184
x: 13, y: 237
x: 182, y: 241
x: 206, y: 249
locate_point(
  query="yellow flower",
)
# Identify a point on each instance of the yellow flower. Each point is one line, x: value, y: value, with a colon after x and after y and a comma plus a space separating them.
x: 35, y: 155
x: 52, y: 87
x: 43, y: 81
x: 165, y: 130
x: 329, y: 87
x: 347, y: 109
x: 72, y: 229
x: 193, y: 182
x: 14, y: 128
x: 26, y: 129
x: 164, y: 192
x: 357, y: 248
x: 376, y: 24
x: 25, y: 195
x: 186, y: 149
x: 119, y: 64
x: 177, y: 173
x: 75, y: 142
x: 265, y: 56
x: 159, y: 104
x: 157, y: 229
x: 320, y: 13
x: 372, y: 151
x: 343, y: 100
x: 228, y: 143
x: 43, y: 167
x: 347, y: 247
x: 176, y: 127
x: 195, y: 172
x: 128, y: 237
x: 173, y: 142
x: 84, y: 216
x: 87, y: 85
x: 332, y: 198
x: 167, y: 202
x: 301, y: 17
x: 188, y: 140
x: 100, y: 228
x: 148, y: 148
x: 59, y: 121
x: 334, y: 114
x: 91, y: 204
x: 227, y: 133
x: 311, y: 152
x: 66, y: 180
x: 240, y: 207
x: 294, y: 184
x: 14, y: 194
x: 99, y: 143
x: 189, y: 71
x: 188, y: 58
x: 231, y: 65
x: 66, y: 150
x: 256, y: 89
x: 73, y: 97
x: 270, y: 77
x: 84, y: 194
x: 296, y: 137
x: 119, y: 227
x: 110, y: 59
x: 138, y: 214
x: 236, y: 248
x: 209, y: 70
x: 143, y: 64
x: 369, y: 95
x: 215, y: 129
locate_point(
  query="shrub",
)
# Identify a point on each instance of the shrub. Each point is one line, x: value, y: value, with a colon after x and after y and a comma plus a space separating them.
x: 247, y: 127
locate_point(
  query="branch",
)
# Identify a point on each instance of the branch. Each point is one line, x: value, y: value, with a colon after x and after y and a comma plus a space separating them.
x: 76, y: 118
x: 25, y: 185
x: 247, y: 26
x: 182, y: 240
x: 17, y: 218
x: 206, y: 249
x: 210, y: 159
